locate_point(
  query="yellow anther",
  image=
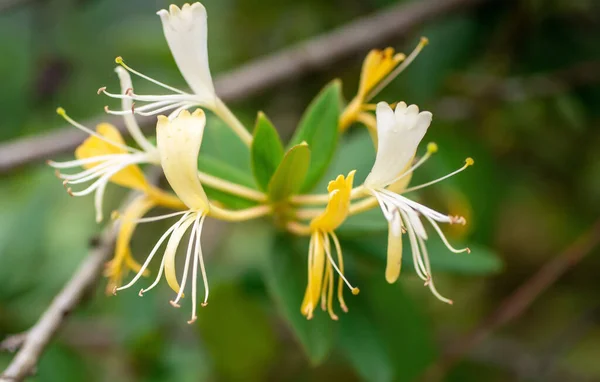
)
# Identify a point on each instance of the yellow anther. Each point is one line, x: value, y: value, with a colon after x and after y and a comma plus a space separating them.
x: 424, y: 41
x: 119, y: 60
x: 432, y: 147
x: 355, y: 291
x: 60, y: 111
x: 115, y: 215
x: 469, y: 161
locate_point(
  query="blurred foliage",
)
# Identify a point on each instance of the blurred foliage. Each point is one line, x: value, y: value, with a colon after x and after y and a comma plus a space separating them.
x: 512, y: 84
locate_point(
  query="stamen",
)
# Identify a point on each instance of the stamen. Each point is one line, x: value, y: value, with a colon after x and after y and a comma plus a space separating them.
x: 457, y: 220
x: 187, y: 263
x: 399, y: 69
x: 80, y: 162
x: 151, y: 255
x: 468, y: 162
x: 104, y: 178
x: 430, y: 283
x: 94, y: 170
x: 195, y: 278
x: 60, y: 111
x: 354, y: 290
x: 338, y: 249
x: 119, y: 60
x: 443, y: 237
x: 200, y: 257
x: 424, y: 210
x: 420, y: 267
x: 431, y: 149
x: 179, y: 105
x: 130, y: 95
x: 160, y: 217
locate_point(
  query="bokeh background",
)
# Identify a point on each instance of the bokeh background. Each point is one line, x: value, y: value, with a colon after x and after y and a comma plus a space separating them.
x: 514, y: 84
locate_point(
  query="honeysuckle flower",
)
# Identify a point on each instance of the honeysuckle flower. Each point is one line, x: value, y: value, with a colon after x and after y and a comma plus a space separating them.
x: 320, y: 260
x: 185, y: 30
x: 178, y: 143
x: 399, y: 133
x: 378, y: 69
x: 105, y: 157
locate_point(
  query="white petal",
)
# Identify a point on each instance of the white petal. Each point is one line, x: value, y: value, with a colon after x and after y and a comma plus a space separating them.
x: 398, y: 135
x: 178, y: 143
x: 186, y: 33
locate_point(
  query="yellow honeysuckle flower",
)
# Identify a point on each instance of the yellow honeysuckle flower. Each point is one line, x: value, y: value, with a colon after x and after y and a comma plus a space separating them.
x: 130, y: 176
x: 178, y: 143
x: 320, y: 271
x: 105, y: 157
x: 399, y: 133
x: 378, y: 69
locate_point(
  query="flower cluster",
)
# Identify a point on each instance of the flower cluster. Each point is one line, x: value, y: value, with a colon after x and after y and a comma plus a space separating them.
x: 280, y: 174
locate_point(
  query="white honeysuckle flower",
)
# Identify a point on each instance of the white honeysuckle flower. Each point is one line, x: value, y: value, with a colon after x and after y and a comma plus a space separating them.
x: 105, y: 157
x: 178, y: 143
x: 186, y: 33
x: 399, y: 133
x: 185, y: 30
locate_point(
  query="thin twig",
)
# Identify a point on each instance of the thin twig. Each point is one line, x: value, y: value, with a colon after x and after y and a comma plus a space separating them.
x: 518, y: 302
x: 313, y: 55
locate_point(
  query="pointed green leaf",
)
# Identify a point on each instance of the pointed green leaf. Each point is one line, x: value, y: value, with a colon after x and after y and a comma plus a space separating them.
x: 290, y: 174
x: 285, y: 276
x: 319, y: 128
x: 266, y: 151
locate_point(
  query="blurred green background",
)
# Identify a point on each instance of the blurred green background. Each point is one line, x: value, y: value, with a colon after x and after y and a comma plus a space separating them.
x: 514, y: 84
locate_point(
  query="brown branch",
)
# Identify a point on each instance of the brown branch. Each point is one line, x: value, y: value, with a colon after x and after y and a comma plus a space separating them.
x: 250, y: 79
x: 517, y: 303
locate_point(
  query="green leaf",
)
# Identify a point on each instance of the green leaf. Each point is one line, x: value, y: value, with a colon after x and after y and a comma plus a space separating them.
x: 481, y: 260
x: 285, y: 276
x: 362, y: 344
x: 319, y: 128
x: 266, y: 151
x: 290, y: 174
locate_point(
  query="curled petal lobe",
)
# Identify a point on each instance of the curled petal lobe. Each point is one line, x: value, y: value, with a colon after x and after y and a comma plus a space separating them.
x: 376, y: 66
x: 399, y: 133
x: 185, y: 30
x: 337, y: 208
x: 131, y: 176
x: 178, y: 143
